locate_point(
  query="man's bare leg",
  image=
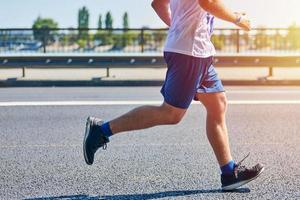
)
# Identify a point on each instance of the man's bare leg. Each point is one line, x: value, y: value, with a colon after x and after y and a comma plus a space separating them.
x: 146, y: 117
x: 215, y: 104
x: 97, y: 133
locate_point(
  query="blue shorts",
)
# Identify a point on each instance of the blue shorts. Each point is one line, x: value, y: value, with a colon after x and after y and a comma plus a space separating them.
x: 186, y: 76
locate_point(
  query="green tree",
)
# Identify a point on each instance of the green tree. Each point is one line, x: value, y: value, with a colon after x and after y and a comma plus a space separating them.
x: 279, y: 41
x: 100, y: 22
x: 83, y: 18
x: 42, y: 30
x: 159, y: 36
x: 104, y: 37
x: 69, y: 38
x: 245, y: 39
x: 128, y: 38
x: 218, y: 42
x: 44, y: 23
x: 83, y: 23
x: 125, y: 21
x: 293, y: 37
x: 108, y: 21
x: 262, y: 39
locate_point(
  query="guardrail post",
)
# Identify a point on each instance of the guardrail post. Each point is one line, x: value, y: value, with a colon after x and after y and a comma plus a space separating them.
x: 107, y: 72
x: 270, y: 72
x: 23, y: 72
x: 44, y: 31
x: 142, y: 40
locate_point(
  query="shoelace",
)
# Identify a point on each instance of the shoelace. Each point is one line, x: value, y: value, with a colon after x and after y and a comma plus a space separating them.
x: 239, y: 163
x: 240, y: 167
x: 104, y: 146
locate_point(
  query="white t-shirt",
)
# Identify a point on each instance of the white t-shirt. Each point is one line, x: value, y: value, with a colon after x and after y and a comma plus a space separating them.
x: 190, y: 30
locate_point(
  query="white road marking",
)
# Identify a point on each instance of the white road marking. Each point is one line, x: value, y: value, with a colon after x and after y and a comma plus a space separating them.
x: 264, y: 102
x: 263, y: 91
x: 12, y: 146
x: 118, y: 103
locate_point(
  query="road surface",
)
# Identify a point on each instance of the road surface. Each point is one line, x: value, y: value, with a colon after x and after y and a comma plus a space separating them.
x: 41, y: 131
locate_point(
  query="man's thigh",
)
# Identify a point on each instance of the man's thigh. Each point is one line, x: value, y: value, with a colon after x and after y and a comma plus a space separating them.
x: 183, y: 77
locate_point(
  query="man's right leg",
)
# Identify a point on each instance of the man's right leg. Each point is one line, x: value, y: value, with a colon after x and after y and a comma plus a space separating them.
x: 146, y: 117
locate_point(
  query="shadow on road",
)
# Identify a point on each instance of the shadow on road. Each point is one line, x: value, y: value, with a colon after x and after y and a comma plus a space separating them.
x: 157, y: 195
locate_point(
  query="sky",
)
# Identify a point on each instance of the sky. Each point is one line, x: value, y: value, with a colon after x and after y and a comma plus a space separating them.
x: 22, y: 13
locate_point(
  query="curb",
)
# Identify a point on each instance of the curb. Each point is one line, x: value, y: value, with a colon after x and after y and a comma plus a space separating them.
x: 77, y: 83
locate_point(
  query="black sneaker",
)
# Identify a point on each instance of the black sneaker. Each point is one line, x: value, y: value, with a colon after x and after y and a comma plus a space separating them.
x: 240, y: 176
x: 93, y: 139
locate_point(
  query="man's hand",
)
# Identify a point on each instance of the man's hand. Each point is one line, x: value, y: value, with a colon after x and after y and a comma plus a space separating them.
x: 242, y: 21
x: 218, y: 9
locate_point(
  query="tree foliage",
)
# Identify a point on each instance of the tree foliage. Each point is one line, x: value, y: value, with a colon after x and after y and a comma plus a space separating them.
x: 83, y: 18
x: 262, y: 39
x: 41, y: 30
x: 100, y: 22
x: 293, y: 36
x: 108, y: 21
x: 83, y: 23
x: 125, y: 21
x: 104, y: 37
x: 218, y: 41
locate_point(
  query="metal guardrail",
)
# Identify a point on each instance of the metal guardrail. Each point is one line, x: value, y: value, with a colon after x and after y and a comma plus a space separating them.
x: 270, y: 61
x: 115, y: 48
x: 138, y: 61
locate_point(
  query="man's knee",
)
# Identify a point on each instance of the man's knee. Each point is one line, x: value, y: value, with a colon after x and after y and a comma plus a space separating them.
x: 223, y: 103
x: 217, y: 112
x: 172, y: 114
x: 175, y: 117
x: 218, y: 107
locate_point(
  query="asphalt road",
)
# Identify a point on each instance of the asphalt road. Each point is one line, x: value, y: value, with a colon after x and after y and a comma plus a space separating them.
x: 41, y: 147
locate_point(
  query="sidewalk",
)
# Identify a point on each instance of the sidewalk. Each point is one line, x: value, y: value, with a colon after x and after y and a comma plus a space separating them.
x: 137, y: 77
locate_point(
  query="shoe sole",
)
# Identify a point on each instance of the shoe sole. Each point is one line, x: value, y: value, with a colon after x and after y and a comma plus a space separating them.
x: 239, y: 184
x: 87, y: 131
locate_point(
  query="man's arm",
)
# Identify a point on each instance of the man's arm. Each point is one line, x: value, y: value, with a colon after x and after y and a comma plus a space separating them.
x: 218, y: 9
x: 161, y: 8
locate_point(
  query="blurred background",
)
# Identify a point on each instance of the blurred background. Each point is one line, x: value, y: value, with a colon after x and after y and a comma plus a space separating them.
x: 54, y: 26
x: 119, y: 28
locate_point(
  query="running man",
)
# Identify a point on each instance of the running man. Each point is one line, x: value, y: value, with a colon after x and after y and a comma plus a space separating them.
x: 191, y: 75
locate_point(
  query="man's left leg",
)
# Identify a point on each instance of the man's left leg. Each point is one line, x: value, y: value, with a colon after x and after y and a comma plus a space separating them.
x: 233, y: 175
x: 216, y: 130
